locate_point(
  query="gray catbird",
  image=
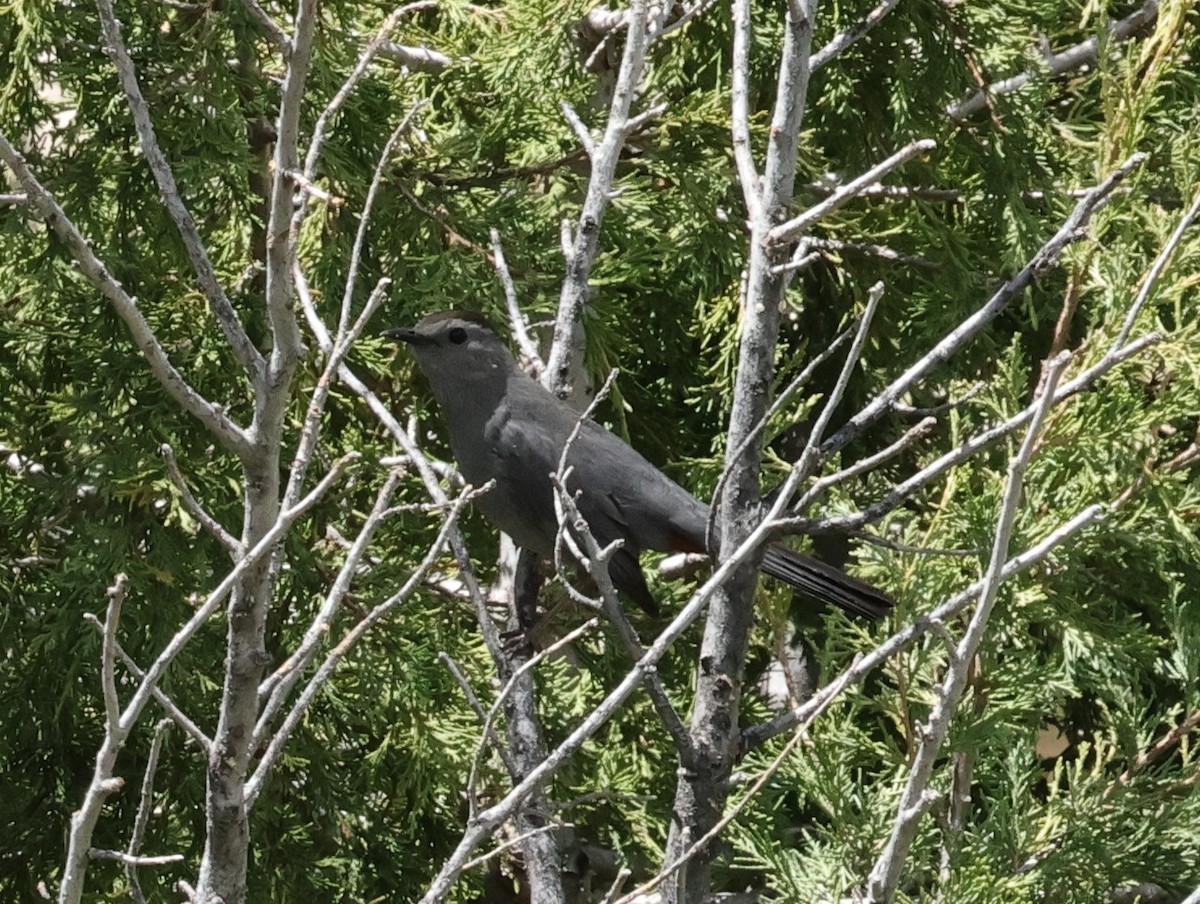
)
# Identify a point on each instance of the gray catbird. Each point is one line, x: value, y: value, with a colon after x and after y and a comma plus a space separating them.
x: 505, y: 426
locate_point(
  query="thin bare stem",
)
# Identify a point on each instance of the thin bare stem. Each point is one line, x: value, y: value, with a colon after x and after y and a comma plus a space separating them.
x: 227, y: 318
x: 321, y: 126
x: 275, y: 33
x: 145, y: 804
x: 801, y: 732
x: 918, y: 796
x: 516, y: 320
x: 850, y: 190
x: 280, y: 684
x: 315, y: 684
x: 207, y: 521
x: 1083, y: 53
x: 160, y: 697
x: 1156, y: 270
x: 489, y: 722
x: 743, y: 151
x: 1072, y: 229
x: 108, y: 651
x: 840, y: 42
x: 231, y: 435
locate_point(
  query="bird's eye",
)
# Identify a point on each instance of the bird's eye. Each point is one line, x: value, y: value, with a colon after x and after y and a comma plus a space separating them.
x: 458, y: 335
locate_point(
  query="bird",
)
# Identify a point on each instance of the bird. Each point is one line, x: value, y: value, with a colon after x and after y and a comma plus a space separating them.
x: 504, y: 426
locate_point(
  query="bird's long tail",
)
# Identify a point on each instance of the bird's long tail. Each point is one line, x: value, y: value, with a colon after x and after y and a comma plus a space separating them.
x: 825, y: 582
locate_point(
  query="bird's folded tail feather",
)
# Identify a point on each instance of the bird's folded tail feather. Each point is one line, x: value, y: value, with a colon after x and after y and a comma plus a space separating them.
x: 826, y: 583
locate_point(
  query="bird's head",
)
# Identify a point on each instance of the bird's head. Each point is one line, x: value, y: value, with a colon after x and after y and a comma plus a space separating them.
x: 455, y: 350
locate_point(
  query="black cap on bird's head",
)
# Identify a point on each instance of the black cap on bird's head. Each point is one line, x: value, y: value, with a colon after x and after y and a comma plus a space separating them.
x: 449, y: 326
x: 456, y: 350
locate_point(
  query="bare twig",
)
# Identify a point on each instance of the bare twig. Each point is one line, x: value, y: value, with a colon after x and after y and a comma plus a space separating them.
x: 800, y: 733
x: 270, y: 757
x: 211, y: 524
x: 365, y: 218
x: 513, y: 682
x: 1156, y: 270
x: 511, y: 843
x: 843, y: 39
x: 108, y: 652
x: 160, y: 697
x: 145, y: 803
x: 276, y: 688
x: 563, y: 374
x: 227, y: 318
x: 1082, y: 54
x: 231, y: 435
x: 492, y: 736
x: 377, y: 43
x: 917, y: 795
x: 743, y: 152
x: 315, y: 190
x: 416, y: 59
x: 757, y: 735
x: 844, y: 193
x: 275, y: 33
x: 578, y: 127
x: 907, y: 488
x: 163, y: 860
x: 1072, y: 229
x: 310, y: 432
x: 529, y: 349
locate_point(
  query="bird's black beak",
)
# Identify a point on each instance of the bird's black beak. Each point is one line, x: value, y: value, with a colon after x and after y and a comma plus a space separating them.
x: 406, y: 334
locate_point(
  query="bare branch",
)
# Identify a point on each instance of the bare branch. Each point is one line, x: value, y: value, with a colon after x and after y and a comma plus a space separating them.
x: 335, y: 104
x: 917, y: 795
x: 231, y: 436
x: 595, y: 560
x: 743, y: 152
x: 145, y: 803
x: 211, y: 524
x: 1155, y: 271
x: 1082, y: 54
x: 852, y: 189
x: 163, y: 860
x: 755, y: 736
x: 270, y: 757
x: 801, y: 733
x: 227, y: 318
x: 280, y: 238
x: 513, y: 682
x: 315, y: 190
x: 281, y: 682
x: 264, y: 547
x: 275, y: 33
x: 416, y: 59
x: 310, y: 432
x: 516, y: 320
x: 564, y: 365
x: 906, y: 489
x: 509, y: 844
x: 1072, y: 229
x: 108, y: 652
x: 365, y: 218
x: 577, y: 125
x: 160, y: 696
x: 490, y: 736
x: 842, y: 40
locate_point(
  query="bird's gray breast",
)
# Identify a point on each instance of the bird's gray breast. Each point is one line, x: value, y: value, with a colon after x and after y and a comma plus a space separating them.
x: 517, y: 455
